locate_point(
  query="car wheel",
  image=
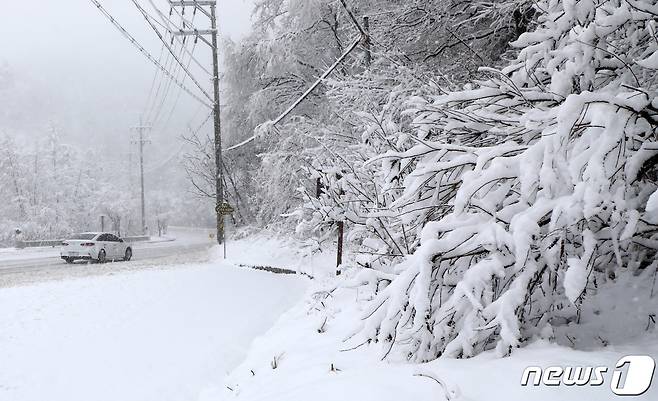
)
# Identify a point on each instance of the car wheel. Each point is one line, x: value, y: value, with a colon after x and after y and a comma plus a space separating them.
x: 68, y: 260
x: 128, y: 255
x: 102, y: 256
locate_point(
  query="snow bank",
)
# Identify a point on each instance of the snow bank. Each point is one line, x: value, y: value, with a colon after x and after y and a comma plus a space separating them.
x: 266, y: 249
x: 313, y: 354
x: 152, y: 335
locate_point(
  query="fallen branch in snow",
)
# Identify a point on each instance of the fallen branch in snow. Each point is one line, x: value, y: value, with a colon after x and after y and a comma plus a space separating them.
x: 322, y: 329
x: 449, y: 394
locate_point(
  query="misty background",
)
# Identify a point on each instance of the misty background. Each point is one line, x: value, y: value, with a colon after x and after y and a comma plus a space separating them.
x: 65, y: 69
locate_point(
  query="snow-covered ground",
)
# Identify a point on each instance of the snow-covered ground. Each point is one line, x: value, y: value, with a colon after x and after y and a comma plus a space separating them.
x: 210, y: 330
x: 314, y: 352
x: 165, y: 334
x: 264, y: 249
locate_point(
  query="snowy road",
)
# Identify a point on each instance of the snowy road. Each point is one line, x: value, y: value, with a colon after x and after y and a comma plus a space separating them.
x: 43, y: 264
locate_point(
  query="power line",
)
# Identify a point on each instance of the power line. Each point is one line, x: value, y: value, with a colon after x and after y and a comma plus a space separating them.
x: 166, y: 20
x: 303, y: 96
x: 189, y: 74
x: 145, y: 52
x: 173, y: 107
x: 147, y: 106
x: 178, y: 152
x: 156, y: 116
x: 156, y: 107
x: 162, y: 81
x: 167, y: 88
x: 159, y: 102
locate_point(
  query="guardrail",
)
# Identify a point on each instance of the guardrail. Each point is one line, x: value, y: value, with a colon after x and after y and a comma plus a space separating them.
x: 58, y: 242
x: 32, y: 244
x: 137, y: 238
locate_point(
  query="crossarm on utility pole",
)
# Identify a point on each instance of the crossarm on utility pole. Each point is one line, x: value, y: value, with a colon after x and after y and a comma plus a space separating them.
x: 305, y: 94
x: 193, y: 32
x: 171, y: 51
x: 193, y: 3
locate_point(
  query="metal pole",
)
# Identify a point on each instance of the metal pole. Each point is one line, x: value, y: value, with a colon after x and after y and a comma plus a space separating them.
x: 224, y: 221
x: 141, y: 173
x: 140, y: 129
x: 219, y: 183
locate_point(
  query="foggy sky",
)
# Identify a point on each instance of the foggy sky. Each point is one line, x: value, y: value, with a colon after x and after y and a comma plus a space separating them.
x: 70, y: 66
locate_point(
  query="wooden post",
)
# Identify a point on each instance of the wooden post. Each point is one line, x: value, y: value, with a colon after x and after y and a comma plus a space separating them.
x: 339, y: 254
x: 366, y: 44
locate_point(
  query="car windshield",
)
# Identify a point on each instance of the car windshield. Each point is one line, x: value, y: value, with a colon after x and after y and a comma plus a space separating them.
x: 83, y: 236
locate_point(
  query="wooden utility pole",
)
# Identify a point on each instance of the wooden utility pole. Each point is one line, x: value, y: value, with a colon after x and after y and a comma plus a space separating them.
x: 140, y: 129
x: 219, y: 163
x: 198, y: 34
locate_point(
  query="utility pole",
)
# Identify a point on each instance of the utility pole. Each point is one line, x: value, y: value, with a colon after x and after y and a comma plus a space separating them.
x: 130, y: 170
x: 219, y: 179
x: 199, y: 34
x: 140, y: 129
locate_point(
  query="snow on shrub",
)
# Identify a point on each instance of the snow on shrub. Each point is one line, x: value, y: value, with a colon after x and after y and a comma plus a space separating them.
x: 527, y: 190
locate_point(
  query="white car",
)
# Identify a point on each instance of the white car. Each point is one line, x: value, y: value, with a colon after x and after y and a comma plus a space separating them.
x: 99, y: 247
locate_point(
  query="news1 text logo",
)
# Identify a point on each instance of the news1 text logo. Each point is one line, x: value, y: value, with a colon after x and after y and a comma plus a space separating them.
x: 631, y: 376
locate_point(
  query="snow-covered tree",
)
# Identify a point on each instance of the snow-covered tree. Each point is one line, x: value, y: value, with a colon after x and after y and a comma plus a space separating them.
x: 163, y: 206
x: 527, y: 189
x: 412, y: 44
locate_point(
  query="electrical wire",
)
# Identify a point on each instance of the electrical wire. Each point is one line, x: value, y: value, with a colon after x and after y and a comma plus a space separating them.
x: 283, y: 115
x: 148, y: 55
x: 167, y: 88
x: 158, y: 101
x: 162, y: 103
x: 177, y: 98
x: 178, y: 152
x: 189, y: 74
x: 166, y: 21
x: 161, y: 81
x: 156, y: 74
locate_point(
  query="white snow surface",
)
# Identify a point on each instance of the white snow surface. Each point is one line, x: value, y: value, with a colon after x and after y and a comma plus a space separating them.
x: 317, y: 335
x: 267, y: 249
x: 166, y: 334
x: 652, y: 203
x: 214, y: 332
